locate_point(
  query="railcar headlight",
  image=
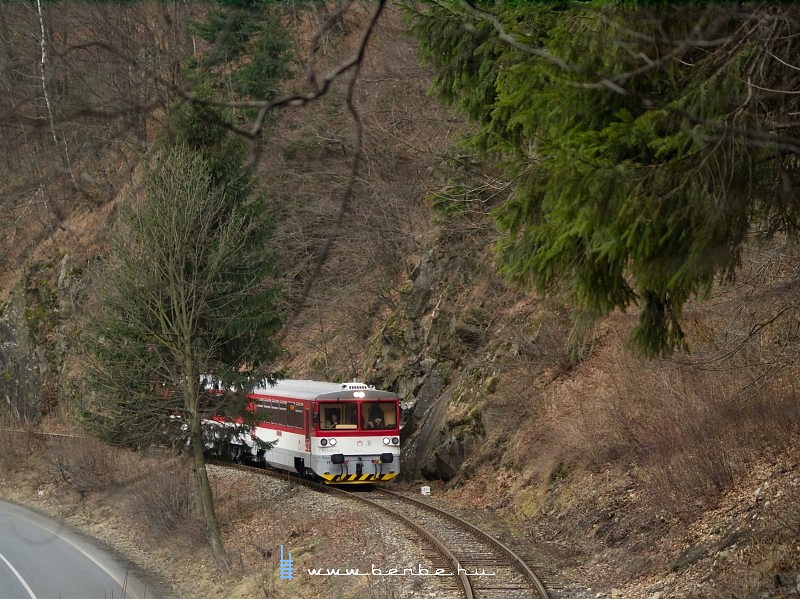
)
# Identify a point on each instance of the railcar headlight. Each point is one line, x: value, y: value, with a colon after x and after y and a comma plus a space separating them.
x: 332, y: 442
x: 323, y: 442
x: 395, y: 440
x: 386, y: 440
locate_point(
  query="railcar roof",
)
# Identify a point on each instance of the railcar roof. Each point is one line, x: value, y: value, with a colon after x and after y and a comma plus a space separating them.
x: 300, y: 389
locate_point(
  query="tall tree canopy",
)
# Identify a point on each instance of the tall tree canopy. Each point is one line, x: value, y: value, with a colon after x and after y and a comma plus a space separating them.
x: 188, y: 289
x: 645, y: 141
x: 190, y: 284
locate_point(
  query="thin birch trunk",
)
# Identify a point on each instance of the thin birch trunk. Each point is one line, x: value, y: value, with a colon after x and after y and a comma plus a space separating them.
x: 47, y: 101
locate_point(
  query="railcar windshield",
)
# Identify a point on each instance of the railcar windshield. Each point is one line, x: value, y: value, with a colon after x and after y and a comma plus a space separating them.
x: 378, y: 415
x: 339, y: 415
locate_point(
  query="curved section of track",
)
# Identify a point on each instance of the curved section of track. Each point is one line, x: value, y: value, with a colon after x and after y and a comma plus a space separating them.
x: 450, y: 563
x: 485, y: 567
x: 493, y: 570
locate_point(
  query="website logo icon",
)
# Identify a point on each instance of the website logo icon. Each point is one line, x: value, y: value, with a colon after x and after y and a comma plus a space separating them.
x: 286, y: 569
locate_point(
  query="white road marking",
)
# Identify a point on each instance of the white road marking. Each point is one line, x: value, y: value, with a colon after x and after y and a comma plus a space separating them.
x: 123, y: 584
x: 18, y: 575
x: 127, y: 591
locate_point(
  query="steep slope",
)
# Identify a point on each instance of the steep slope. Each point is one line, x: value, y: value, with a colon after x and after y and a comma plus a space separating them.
x: 675, y: 476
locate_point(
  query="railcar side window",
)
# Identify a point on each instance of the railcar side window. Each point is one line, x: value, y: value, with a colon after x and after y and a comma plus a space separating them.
x: 296, y: 415
x: 280, y: 413
x: 263, y: 411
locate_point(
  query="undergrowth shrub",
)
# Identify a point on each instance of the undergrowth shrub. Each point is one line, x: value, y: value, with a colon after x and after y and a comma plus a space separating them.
x: 15, y: 446
x: 158, y: 492
x: 690, y: 473
x: 84, y: 463
x: 164, y: 497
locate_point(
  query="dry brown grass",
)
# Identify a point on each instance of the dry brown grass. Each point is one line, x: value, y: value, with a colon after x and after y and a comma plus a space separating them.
x: 16, y: 444
x: 158, y: 491
x: 307, y: 171
x: 682, y: 431
x: 84, y: 463
x: 164, y: 497
x: 689, y: 431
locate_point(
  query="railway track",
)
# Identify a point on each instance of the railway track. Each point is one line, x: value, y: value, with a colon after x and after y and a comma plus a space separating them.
x: 473, y: 563
x: 488, y: 568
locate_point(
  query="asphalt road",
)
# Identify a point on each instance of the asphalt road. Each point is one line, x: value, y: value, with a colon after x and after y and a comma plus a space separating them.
x: 41, y: 559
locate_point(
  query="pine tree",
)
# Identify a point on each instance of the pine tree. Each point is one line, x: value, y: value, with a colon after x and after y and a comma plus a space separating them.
x: 641, y: 138
x: 188, y: 289
x: 190, y: 286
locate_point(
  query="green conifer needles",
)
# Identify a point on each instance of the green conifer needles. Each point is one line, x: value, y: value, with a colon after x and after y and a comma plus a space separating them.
x: 642, y: 141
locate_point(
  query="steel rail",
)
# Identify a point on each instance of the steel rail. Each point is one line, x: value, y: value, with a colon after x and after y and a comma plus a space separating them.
x: 441, y: 548
x: 518, y: 562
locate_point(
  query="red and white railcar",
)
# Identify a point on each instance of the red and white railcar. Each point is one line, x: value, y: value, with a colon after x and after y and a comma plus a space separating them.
x: 342, y: 433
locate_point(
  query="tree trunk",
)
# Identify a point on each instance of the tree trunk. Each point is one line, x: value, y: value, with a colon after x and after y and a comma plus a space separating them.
x: 191, y: 402
x: 207, y: 497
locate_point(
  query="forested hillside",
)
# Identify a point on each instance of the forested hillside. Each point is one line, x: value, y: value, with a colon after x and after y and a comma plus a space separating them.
x: 565, y: 234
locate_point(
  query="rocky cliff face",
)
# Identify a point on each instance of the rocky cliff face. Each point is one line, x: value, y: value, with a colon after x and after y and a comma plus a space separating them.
x: 421, y: 356
x: 21, y: 368
x: 33, y: 341
x: 442, y: 348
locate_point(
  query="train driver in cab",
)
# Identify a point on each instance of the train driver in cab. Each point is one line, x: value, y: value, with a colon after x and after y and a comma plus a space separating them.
x: 375, y: 416
x: 333, y: 419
